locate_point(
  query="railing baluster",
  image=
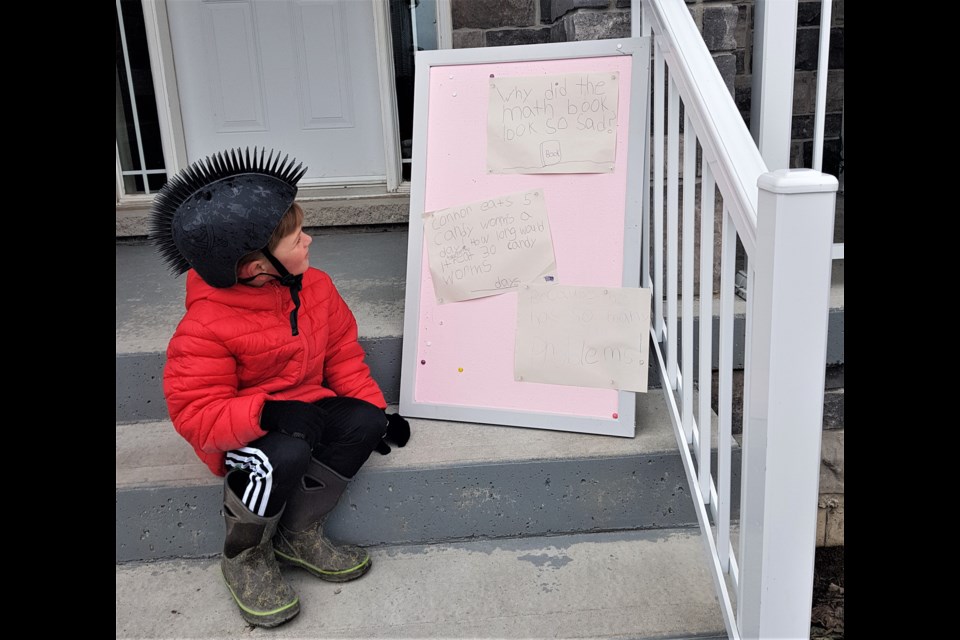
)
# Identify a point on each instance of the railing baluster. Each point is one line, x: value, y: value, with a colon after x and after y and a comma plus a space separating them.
x: 823, y: 66
x: 706, y: 323
x: 747, y: 377
x: 657, y: 240
x: 689, y: 195
x: 734, y: 572
x: 673, y: 189
x: 645, y: 205
x: 725, y: 403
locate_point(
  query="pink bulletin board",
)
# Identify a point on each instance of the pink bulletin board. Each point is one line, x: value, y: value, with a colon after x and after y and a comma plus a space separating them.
x: 458, y: 357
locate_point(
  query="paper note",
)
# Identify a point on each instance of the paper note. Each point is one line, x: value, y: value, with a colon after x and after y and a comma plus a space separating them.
x: 553, y: 124
x: 583, y: 336
x: 489, y: 247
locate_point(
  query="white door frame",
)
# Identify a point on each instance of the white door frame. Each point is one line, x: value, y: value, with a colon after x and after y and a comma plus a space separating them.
x: 388, y: 93
x: 173, y: 139
x: 444, y: 25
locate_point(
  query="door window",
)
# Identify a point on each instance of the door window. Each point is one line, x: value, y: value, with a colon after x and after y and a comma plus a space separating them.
x: 414, y: 28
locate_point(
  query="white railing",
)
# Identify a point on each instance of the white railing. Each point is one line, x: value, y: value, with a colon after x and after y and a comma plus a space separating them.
x: 784, y: 222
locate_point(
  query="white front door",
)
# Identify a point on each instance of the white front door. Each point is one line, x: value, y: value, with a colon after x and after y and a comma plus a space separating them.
x: 299, y: 76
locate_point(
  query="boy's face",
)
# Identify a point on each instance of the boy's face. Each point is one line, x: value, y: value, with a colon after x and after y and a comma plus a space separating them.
x: 294, y: 251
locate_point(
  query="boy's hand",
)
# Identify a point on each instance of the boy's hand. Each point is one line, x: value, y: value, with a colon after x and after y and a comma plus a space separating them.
x: 398, y: 432
x: 293, y: 418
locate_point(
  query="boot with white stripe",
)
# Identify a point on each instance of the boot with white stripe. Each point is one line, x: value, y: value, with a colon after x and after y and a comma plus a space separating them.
x: 249, y: 566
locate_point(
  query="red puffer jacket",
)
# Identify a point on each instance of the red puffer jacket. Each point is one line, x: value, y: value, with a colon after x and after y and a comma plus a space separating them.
x: 233, y: 350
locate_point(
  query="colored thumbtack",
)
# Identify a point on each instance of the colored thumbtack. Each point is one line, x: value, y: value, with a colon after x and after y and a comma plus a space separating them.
x: 616, y: 415
x: 423, y: 362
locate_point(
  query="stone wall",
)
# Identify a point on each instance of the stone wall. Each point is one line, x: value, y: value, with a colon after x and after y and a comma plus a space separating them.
x: 727, y: 28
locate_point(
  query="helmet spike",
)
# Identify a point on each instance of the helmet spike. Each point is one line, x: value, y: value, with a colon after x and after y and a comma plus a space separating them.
x: 298, y: 173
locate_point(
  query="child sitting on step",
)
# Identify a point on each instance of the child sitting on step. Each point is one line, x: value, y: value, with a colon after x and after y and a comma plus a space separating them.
x: 264, y: 374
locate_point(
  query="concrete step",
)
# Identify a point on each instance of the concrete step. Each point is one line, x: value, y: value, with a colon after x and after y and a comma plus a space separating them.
x: 452, y: 481
x: 639, y: 584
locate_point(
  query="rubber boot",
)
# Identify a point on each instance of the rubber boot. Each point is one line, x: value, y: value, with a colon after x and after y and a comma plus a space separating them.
x: 249, y: 566
x: 300, y: 541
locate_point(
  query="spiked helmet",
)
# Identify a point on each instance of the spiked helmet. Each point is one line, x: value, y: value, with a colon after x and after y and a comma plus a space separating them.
x: 217, y: 210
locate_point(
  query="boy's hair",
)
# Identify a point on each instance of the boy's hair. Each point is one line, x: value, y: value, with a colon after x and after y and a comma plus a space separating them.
x: 289, y: 223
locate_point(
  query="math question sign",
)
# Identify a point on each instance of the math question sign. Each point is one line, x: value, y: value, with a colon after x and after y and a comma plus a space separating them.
x: 553, y: 124
x: 489, y: 214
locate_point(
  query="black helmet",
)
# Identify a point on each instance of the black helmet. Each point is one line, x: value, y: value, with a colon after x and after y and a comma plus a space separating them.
x: 218, y: 210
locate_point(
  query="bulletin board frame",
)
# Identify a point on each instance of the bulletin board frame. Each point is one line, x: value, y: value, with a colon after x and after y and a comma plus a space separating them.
x: 541, y: 413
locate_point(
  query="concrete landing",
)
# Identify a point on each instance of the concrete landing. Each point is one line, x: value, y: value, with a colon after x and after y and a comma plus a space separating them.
x: 628, y: 585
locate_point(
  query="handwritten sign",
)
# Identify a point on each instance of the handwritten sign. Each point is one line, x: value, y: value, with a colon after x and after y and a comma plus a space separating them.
x: 489, y: 247
x: 583, y: 336
x: 553, y: 124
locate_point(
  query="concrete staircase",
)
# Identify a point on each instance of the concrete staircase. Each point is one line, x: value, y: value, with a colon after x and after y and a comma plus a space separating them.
x: 475, y: 530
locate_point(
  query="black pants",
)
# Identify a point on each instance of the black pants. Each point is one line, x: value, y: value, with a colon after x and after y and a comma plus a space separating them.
x: 275, y: 463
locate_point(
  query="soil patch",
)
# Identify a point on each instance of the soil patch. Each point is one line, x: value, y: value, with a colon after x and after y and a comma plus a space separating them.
x: 826, y: 619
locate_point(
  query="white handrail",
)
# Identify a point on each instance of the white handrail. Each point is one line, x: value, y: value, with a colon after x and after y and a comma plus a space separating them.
x: 734, y: 156
x: 783, y: 220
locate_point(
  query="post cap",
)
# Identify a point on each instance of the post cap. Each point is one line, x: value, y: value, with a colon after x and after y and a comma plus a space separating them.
x: 797, y: 181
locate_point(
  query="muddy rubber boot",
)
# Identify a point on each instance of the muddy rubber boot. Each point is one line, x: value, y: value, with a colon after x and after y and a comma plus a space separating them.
x: 249, y: 566
x: 300, y: 541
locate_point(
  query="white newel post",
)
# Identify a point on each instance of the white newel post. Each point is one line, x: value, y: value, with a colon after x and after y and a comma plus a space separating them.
x: 774, y: 59
x: 781, y: 450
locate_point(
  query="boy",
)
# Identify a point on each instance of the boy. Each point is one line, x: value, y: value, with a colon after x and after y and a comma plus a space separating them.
x: 264, y: 374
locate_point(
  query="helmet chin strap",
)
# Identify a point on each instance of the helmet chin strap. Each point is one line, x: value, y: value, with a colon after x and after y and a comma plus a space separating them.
x: 287, y: 279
